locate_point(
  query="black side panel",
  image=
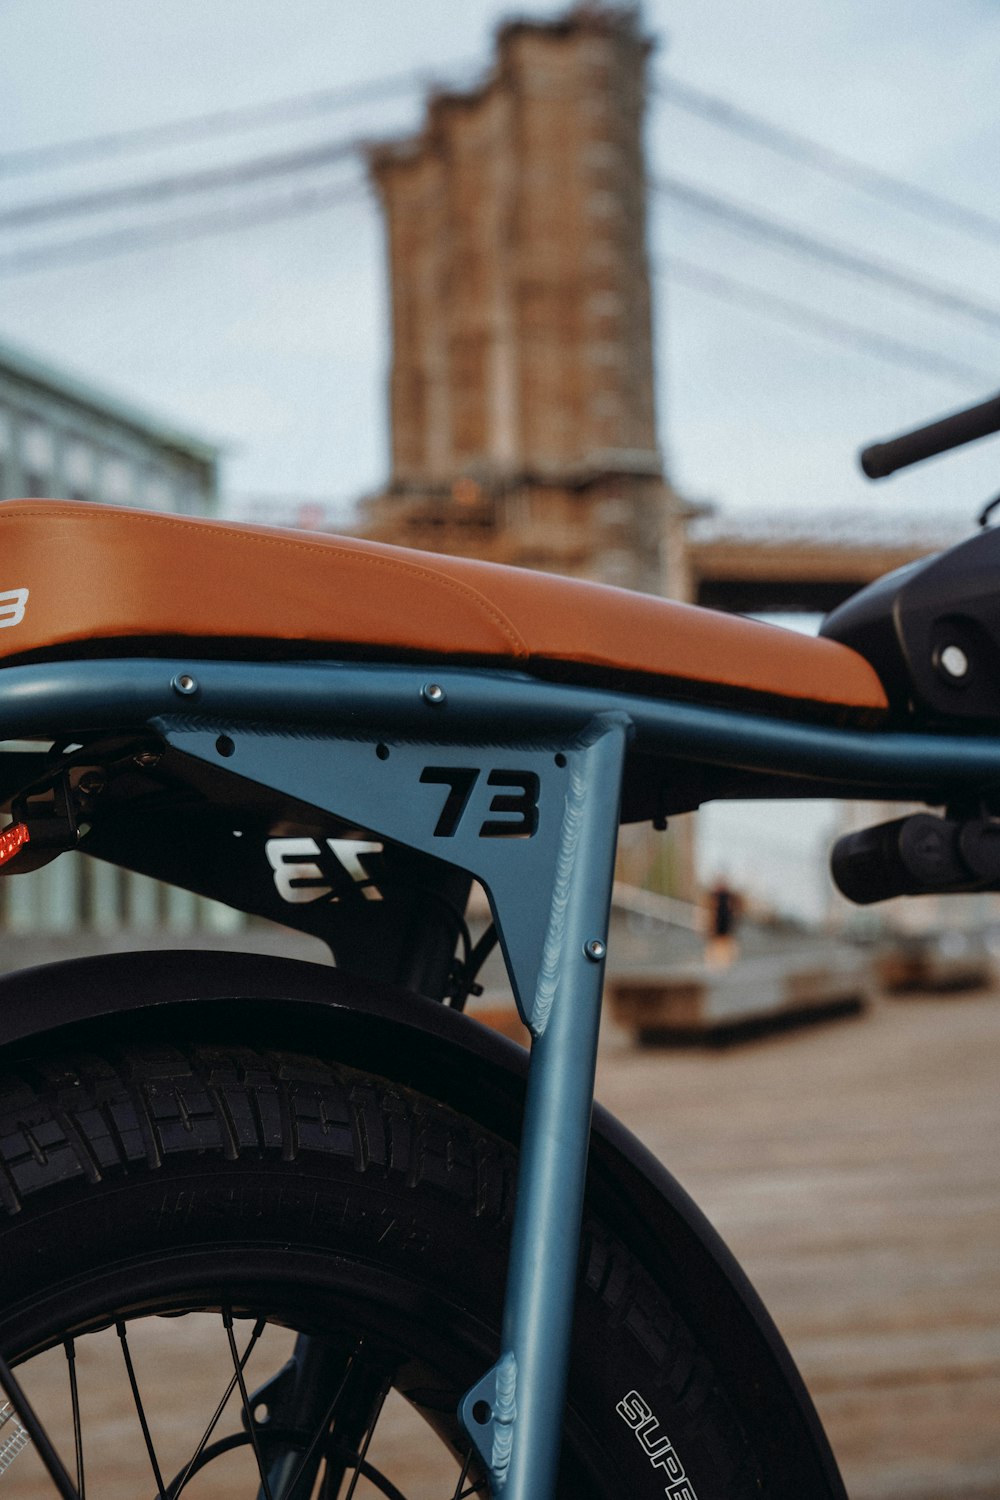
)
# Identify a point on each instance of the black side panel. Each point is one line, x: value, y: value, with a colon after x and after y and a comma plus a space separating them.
x: 932, y: 632
x: 426, y: 1046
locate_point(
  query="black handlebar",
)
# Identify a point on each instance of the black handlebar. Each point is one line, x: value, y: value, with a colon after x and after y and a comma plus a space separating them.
x: 882, y: 459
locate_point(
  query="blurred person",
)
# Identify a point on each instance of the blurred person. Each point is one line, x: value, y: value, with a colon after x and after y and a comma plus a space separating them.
x: 724, y: 907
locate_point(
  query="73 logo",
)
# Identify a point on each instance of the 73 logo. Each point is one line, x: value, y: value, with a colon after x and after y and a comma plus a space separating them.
x: 514, y: 800
x: 304, y: 870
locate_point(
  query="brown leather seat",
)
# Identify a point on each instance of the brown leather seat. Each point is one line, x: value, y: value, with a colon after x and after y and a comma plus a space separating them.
x: 75, y: 579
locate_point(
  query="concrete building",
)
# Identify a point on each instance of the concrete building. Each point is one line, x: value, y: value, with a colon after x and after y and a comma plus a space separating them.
x: 522, y: 391
x: 62, y: 437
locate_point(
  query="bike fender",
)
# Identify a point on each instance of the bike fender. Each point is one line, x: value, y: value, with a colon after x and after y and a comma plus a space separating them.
x: 421, y: 1043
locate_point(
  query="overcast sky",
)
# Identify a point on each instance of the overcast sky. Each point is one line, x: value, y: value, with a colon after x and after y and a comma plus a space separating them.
x: 273, y: 339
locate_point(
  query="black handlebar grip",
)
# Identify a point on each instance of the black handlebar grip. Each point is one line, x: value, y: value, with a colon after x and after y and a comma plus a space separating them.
x: 883, y: 459
x: 908, y: 857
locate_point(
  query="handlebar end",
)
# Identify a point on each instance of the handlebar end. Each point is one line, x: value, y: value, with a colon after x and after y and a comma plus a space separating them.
x: 875, y: 463
x: 882, y: 459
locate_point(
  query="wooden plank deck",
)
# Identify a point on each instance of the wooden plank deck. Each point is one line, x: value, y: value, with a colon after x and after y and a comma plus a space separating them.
x: 855, y: 1171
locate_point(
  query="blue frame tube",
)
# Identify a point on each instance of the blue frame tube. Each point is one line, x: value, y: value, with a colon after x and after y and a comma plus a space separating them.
x: 524, y: 1394
x: 78, y: 696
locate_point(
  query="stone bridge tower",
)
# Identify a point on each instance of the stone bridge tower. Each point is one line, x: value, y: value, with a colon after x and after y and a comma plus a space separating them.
x: 522, y: 399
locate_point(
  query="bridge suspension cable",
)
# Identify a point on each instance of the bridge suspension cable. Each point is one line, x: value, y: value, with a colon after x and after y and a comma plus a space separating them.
x: 803, y: 243
x: 832, y: 163
x: 796, y: 314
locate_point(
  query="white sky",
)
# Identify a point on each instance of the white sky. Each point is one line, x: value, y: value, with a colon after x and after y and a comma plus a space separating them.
x: 274, y: 339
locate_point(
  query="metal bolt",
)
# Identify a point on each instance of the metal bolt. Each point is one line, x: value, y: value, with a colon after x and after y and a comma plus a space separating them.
x: 595, y: 950
x: 146, y: 759
x: 433, y: 692
x: 184, y: 684
x: 953, y: 661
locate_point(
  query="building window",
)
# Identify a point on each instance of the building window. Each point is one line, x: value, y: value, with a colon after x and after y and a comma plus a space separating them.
x: 78, y: 470
x: 37, y: 454
x: 6, y: 444
x: 190, y: 501
x: 157, y: 490
x: 614, y: 513
x: 616, y: 567
x: 117, y: 480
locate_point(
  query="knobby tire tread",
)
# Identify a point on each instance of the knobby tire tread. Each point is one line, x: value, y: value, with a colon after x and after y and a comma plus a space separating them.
x: 82, y: 1124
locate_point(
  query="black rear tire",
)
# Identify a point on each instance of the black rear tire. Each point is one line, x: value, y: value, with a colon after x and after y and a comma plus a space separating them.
x: 196, y: 1174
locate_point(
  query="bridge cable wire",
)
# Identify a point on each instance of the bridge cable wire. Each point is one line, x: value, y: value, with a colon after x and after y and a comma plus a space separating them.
x: 718, y: 111
x: 832, y: 163
x: 241, y: 118
x: 249, y: 171
x: 256, y: 169
x: 802, y: 243
x: 320, y: 199
x: 161, y: 189
x: 189, y: 227
x: 794, y: 314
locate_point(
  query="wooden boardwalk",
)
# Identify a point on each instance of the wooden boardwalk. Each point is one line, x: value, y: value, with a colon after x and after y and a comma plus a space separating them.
x: 855, y: 1171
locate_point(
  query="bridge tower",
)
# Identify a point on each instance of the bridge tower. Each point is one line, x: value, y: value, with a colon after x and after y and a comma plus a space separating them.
x: 522, y: 384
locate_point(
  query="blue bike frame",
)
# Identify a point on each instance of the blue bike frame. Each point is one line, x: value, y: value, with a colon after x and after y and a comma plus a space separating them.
x: 517, y: 782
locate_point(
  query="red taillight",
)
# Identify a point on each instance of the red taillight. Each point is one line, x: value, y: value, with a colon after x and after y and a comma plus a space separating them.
x: 12, y: 839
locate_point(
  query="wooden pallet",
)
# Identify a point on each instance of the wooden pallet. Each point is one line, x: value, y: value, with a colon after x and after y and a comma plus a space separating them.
x: 931, y: 970
x: 700, y: 1004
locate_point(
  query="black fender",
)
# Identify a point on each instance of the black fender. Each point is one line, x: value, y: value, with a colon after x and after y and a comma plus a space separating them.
x: 427, y: 1046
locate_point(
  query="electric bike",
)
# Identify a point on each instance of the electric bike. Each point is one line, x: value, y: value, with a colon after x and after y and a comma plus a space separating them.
x: 343, y: 737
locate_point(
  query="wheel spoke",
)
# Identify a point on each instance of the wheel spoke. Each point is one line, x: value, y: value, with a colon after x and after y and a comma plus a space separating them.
x: 74, y: 1396
x: 378, y: 1479
x: 288, y: 1493
x: 379, y: 1403
x: 178, y: 1484
x: 460, y: 1494
x: 147, y: 1436
x: 328, y: 1441
x: 227, y: 1321
x: 50, y: 1458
